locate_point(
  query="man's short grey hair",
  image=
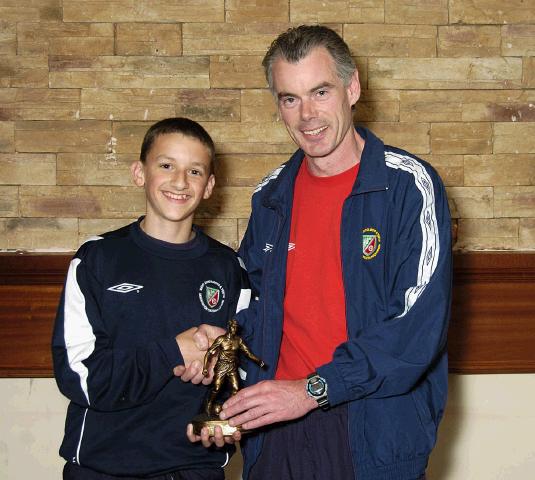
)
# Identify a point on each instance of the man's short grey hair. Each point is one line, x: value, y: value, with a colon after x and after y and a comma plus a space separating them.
x: 296, y: 43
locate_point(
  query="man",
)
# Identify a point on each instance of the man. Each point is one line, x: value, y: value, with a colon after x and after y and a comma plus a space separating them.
x: 349, y: 256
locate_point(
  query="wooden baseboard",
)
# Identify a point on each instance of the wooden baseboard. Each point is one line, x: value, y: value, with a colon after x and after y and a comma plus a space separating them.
x: 492, y: 328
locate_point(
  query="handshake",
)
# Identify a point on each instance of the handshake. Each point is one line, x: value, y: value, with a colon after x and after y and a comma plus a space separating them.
x: 193, y: 344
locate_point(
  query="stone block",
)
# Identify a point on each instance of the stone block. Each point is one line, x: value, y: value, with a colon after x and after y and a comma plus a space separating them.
x: 258, y: 106
x: 157, y: 39
x: 94, y: 169
x: 377, y: 106
x: 235, y: 71
x: 128, y: 103
x: 471, y: 202
x: 226, y: 202
x: 463, y: 138
x: 30, y: 10
x: 449, y: 167
x: 518, y: 40
x: 494, y: 170
x: 514, y: 137
x: 82, y: 202
x: 94, y: 227
x: 229, y: 38
x: 27, y: 169
x: 245, y: 170
x: 467, y: 105
x: 119, y: 11
x: 526, y: 236
x: 489, y: 12
x: 469, y: 41
x: 128, y: 136
x: 92, y: 136
x: 413, y: 137
x: 7, y: 137
x: 80, y: 39
x: 251, y: 11
x: 9, y: 202
x: 444, y: 73
x: 250, y: 137
x: 488, y: 234
x: 342, y: 11
x: 19, y: 71
x: 210, y: 105
x: 414, y: 12
x: 242, y: 227
x: 8, y: 38
x: 44, y: 234
x: 224, y: 230
x: 391, y: 40
x: 514, y: 201
x: 39, y: 104
x: 129, y: 72
x: 528, y: 72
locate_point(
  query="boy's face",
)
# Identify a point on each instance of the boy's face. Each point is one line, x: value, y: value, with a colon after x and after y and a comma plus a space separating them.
x: 176, y: 176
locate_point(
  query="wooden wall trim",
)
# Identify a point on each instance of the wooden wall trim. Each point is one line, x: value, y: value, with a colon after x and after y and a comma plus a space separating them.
x: 492, y: 328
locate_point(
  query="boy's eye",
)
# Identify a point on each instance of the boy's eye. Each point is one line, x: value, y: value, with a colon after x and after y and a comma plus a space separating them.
x: 165, y: 166
x: 194, y: 171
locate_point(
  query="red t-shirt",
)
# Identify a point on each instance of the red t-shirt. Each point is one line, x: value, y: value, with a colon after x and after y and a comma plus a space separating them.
x: 314, y: 303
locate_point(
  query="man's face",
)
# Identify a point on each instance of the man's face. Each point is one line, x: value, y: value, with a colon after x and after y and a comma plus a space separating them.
x: 314, y: 103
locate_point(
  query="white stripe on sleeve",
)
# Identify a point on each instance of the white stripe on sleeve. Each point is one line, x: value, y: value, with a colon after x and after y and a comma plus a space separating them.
x: 428, y: 223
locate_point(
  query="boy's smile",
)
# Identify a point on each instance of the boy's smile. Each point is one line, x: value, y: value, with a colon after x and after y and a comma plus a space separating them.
x: 176, y: 176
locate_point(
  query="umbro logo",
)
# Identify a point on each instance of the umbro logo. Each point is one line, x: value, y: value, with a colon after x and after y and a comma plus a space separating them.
x: 125, y: 288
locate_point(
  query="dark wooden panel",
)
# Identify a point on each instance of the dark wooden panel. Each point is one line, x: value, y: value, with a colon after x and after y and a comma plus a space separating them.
x: 492, y: 327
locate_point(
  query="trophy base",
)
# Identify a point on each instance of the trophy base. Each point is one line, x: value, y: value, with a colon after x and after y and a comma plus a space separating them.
x: 211, y: 421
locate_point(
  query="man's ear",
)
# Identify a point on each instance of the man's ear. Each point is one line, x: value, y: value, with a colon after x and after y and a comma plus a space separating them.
x: 209, y: 187
x: 138, y: 173
x: 353, y: 89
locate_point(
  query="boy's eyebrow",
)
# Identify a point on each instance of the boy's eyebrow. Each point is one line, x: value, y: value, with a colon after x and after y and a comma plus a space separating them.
x: 312, y: 90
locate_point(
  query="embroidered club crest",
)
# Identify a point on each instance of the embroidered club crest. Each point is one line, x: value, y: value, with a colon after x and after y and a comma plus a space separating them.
x: 371, y: 243
x: 211, y: 295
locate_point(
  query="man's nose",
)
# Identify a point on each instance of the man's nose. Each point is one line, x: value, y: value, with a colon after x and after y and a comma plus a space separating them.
x: 308, y: 109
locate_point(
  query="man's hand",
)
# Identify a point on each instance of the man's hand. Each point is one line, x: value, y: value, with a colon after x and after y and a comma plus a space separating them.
x: 193, y: 344
x: 268, y: 402
x: 218, y: 439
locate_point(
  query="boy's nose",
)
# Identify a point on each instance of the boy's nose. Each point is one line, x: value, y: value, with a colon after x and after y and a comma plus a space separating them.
x: 180, y: 180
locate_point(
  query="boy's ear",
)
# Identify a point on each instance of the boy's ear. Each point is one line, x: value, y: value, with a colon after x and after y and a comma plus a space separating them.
x: 138, y: 173
x: 209, y: 187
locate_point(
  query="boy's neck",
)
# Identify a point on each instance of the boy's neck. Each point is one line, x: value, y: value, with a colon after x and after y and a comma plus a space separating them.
x: 181, y: 232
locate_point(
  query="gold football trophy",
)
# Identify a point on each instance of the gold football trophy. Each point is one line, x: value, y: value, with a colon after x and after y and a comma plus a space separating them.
x: 227, y: 348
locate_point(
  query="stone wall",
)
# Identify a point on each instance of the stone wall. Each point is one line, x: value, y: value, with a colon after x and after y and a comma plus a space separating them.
x: 81, y: 80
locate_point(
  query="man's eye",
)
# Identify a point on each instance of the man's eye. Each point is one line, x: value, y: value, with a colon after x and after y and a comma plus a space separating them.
x: 165, y: 166
x: 195, y: 172
x: 287, y: 101
x: 322, y: 93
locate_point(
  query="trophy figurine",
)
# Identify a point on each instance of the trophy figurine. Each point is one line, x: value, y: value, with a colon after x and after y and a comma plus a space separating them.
x: 226, y: 348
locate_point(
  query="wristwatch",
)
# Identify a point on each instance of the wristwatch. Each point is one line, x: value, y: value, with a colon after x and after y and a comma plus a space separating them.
x: 317, y: 389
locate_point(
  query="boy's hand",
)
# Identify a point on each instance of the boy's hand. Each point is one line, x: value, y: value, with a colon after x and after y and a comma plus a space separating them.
x: 193, y: 344
x: 218, y: 439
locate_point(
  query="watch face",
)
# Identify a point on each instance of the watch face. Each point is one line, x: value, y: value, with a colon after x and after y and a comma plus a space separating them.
x: 316, y: 386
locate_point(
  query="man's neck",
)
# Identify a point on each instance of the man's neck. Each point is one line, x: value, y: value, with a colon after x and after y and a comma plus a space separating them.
x: 346, y: 155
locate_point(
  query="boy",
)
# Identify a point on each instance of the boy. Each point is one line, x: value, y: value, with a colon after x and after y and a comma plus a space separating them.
x: 128, y: 295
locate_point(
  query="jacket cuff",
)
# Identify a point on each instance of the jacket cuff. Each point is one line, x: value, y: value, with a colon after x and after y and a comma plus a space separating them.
x: 172, y: 352
x: 337, y: 391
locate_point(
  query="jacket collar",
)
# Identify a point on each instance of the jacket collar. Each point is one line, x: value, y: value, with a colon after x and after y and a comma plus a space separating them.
x: 372, y: 174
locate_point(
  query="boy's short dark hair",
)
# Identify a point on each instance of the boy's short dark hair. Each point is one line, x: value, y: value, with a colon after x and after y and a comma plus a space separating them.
x: 184, y: 126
